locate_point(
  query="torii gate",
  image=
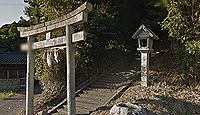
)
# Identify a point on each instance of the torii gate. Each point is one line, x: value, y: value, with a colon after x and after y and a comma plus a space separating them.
x: 70, y: 20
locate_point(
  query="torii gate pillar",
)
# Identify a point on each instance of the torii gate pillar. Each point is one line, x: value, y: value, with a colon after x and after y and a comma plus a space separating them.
x: 71, y: 104
x: 30, y: 76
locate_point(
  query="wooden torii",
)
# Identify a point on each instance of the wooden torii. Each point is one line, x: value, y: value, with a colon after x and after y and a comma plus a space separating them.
x: 74, y: 18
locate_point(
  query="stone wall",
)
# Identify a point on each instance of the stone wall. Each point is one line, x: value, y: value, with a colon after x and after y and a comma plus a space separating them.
x: 10, y: 85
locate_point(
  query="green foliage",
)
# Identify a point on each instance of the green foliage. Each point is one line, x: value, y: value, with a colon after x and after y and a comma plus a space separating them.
x: 6, y: 95
x: 9, y: 35
x: 183, y: 25
x: 45, y: 74
x: 101, y: 23
x: 44, y: 10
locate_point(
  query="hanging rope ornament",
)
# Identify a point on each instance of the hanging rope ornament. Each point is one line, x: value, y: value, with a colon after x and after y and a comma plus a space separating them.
x: 49, y: 58
x: 55, y: 51
x: 56, y: 55
x: 48, y: 36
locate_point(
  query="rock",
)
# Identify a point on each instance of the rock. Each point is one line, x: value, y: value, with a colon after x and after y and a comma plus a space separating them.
x: 114, y: 110
x: 127, y: 109
x: 42, y: 113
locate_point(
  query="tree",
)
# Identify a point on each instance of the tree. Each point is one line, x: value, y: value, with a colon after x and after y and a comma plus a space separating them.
x: 183, y: 25
x: 9, y: 35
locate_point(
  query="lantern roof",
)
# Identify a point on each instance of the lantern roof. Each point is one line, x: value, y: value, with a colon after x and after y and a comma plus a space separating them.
x: 143, y: 31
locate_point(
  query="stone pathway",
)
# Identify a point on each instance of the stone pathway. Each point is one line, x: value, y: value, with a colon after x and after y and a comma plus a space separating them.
x: 99, y: 93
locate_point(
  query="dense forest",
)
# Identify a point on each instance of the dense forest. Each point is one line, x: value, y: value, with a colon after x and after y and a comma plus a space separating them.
x: 110, y: 27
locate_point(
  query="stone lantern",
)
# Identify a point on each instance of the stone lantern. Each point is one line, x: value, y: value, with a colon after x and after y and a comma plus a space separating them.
x: 145, y: 38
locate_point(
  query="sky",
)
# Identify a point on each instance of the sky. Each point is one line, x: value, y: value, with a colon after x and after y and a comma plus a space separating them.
x: 11, y: 10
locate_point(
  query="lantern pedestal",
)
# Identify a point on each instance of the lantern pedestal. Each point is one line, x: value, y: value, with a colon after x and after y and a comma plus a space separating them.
x: 144, y: 65
x: 145, y: 37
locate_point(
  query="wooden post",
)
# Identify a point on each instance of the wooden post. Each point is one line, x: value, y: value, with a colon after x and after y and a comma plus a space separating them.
x: 17, y: 74
x: 30, y: 77
x: 8, y: 76
x: 71, y: 104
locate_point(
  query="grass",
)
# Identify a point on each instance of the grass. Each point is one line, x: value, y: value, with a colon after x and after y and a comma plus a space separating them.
x: 6, y: 95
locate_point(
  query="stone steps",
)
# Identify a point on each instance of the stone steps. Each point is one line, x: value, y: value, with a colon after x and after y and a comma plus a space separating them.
x: 98, y: 93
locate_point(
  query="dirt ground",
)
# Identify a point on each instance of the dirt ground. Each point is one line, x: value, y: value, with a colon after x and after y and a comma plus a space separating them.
x: 160, y: 99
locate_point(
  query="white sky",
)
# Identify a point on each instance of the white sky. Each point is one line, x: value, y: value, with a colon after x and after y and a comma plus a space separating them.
x: 11, y: 10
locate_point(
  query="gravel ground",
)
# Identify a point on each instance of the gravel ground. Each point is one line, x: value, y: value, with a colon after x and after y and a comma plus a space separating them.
x: 12, y: 105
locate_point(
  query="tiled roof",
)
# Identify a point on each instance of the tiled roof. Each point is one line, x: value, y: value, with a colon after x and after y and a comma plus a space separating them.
x: 12, y: 58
